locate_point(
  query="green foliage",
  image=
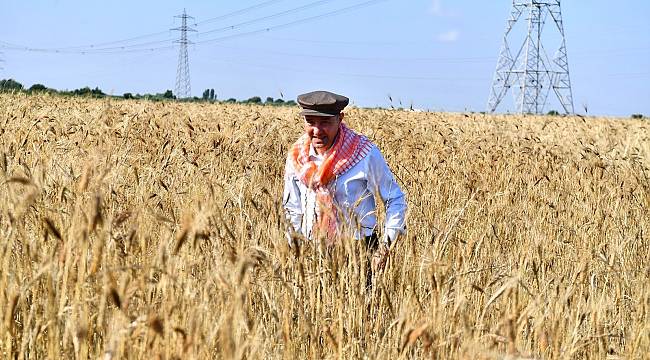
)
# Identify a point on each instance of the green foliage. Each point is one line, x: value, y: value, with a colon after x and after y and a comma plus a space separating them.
x: 82, y: 91
x: 10, y: 85
x: 553, y: 113
x: 169, y: 95
x: 37, y: 87
x: 86, y: 91
x: 208, y: 94
x: 254, y: 100
x: 637, y: 116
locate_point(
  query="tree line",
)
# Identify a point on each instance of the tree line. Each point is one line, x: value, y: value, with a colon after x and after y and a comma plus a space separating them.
x: 11, y: 85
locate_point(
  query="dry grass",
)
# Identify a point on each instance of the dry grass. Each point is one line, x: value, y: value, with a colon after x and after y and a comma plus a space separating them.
x: 142, y: 230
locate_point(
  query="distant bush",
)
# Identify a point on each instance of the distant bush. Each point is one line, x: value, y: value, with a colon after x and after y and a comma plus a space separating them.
x: 637, y: 116
x: 254, y: 100
x: 10, y: 84
x: 86, y: 91
x: 553, y: 113
x: 38, y: 87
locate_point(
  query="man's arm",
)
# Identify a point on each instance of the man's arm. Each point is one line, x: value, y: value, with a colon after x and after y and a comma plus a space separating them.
x: 291, y: 198
x: 382, y: 181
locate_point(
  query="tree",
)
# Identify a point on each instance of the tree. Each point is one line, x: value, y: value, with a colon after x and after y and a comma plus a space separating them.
x: 82, y: 91
x: 169, y: 95
x: 208, y: 94
x: 254, y: 100
x: 637, y: 116
x: 127, y: 96
x: 269, y: 100
x: 37, y: 87
x: 10, y: 84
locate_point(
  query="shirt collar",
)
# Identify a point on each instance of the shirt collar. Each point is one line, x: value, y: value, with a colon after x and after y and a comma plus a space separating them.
x: 313, y: 153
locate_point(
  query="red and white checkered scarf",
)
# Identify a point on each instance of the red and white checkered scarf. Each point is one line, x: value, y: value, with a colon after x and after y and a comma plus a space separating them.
x: 347, y: 151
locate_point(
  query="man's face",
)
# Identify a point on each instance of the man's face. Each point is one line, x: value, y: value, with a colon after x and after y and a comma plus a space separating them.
x: 322, y: 130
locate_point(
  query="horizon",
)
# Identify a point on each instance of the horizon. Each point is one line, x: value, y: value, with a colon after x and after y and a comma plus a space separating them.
x: 434, y: 55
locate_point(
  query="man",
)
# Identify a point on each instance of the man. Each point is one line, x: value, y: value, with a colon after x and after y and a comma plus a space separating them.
x: 332, y: 176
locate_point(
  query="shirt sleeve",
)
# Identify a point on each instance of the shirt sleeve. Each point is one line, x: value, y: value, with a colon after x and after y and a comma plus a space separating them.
x: 382, y: 181
x: 291, y: 197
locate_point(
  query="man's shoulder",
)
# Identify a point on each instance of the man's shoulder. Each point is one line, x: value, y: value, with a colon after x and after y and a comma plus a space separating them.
x: 374, y: 152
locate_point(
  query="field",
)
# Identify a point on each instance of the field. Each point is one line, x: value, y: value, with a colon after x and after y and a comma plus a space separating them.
x: 148, y: 230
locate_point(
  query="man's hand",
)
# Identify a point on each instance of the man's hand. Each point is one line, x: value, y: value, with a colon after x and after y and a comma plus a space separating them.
x: 379, y: 258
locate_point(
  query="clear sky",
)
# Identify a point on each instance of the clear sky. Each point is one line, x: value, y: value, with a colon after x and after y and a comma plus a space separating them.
x: 434, y: 54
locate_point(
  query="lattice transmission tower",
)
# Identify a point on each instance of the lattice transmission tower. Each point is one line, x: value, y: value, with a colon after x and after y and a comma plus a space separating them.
x: 183, y: 88
x: 529, y: 71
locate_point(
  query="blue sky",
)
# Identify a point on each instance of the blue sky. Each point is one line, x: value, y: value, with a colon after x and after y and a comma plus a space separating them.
x: 434, y: 54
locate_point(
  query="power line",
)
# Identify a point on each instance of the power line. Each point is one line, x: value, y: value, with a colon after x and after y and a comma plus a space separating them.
x: 267, y: 17
x: 475, y: 59
x: 349, y: 74
x: 263, y: 18
x: 139, y: 37
x: 344, y: 42
x: 238, y: 12
x: 96, y: 48
x: 221, y: 17
x: 292, y: 23
x: 137, y: 47
x: 101, y: 45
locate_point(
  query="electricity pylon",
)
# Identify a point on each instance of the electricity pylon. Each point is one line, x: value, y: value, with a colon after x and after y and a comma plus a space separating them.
x: 530, y: 72
x: 183, y: 88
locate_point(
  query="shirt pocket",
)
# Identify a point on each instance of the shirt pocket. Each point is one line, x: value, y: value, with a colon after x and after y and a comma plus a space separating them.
x: 355, y: 188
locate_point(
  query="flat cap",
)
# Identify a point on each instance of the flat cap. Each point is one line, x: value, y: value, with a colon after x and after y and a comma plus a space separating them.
x: 322, y: 103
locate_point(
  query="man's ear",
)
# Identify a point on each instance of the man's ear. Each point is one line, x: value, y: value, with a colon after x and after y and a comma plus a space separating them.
x: 341, y: 115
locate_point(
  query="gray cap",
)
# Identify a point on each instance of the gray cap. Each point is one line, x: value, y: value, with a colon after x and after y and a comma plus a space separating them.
x: 322, y: 103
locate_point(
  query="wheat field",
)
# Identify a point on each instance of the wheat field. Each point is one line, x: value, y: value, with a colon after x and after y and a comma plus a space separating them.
x: 154, y: 230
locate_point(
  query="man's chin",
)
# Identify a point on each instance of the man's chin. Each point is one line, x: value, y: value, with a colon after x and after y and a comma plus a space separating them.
x: 318, y: 143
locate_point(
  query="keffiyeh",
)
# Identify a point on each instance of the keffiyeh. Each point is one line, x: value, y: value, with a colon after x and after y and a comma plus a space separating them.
x: 347, y: 151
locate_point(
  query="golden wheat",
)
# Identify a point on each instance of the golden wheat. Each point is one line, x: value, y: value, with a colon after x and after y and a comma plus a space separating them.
x: 134, y: 229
